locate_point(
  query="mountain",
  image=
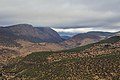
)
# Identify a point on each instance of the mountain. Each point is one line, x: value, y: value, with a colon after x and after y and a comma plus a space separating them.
x: 35, y: 34
x: 87, y: 38
x: 81, y: 39
x: 96, y: 61
x: 23, y: 39
x: 27, y: 32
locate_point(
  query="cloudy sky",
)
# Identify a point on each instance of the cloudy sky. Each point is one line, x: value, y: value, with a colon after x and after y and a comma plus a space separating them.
x: 63, y: 15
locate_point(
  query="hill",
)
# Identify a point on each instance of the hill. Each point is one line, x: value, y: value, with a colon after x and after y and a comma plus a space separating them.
x: 97, y: 61
x: 81, y: 39
x: 87, y: 38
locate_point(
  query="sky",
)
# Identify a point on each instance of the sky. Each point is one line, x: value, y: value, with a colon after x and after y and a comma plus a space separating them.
x: 63, y: 15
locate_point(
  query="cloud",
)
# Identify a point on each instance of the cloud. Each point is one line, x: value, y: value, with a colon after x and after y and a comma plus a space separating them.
x: 83, y: 30
x: 73, y: 30
x: 86, y: 14
x: 117, y: 24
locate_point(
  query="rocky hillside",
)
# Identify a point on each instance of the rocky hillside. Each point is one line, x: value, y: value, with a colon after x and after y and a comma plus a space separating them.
x: 87, y: 38
x: 97, y: 61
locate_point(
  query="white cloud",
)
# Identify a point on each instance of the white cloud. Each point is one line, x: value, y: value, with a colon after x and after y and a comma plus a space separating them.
x: 83, y: 30
x: 73, y: 30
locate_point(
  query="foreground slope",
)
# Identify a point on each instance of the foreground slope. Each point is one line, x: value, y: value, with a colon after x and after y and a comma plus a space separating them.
x: 98, y: 61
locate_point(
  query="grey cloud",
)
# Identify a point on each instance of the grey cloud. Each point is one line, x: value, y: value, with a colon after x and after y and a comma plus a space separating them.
x: 58, y: 13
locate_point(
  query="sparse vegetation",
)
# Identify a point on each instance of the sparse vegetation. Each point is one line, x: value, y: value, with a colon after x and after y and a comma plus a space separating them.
x: 97, y: 61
